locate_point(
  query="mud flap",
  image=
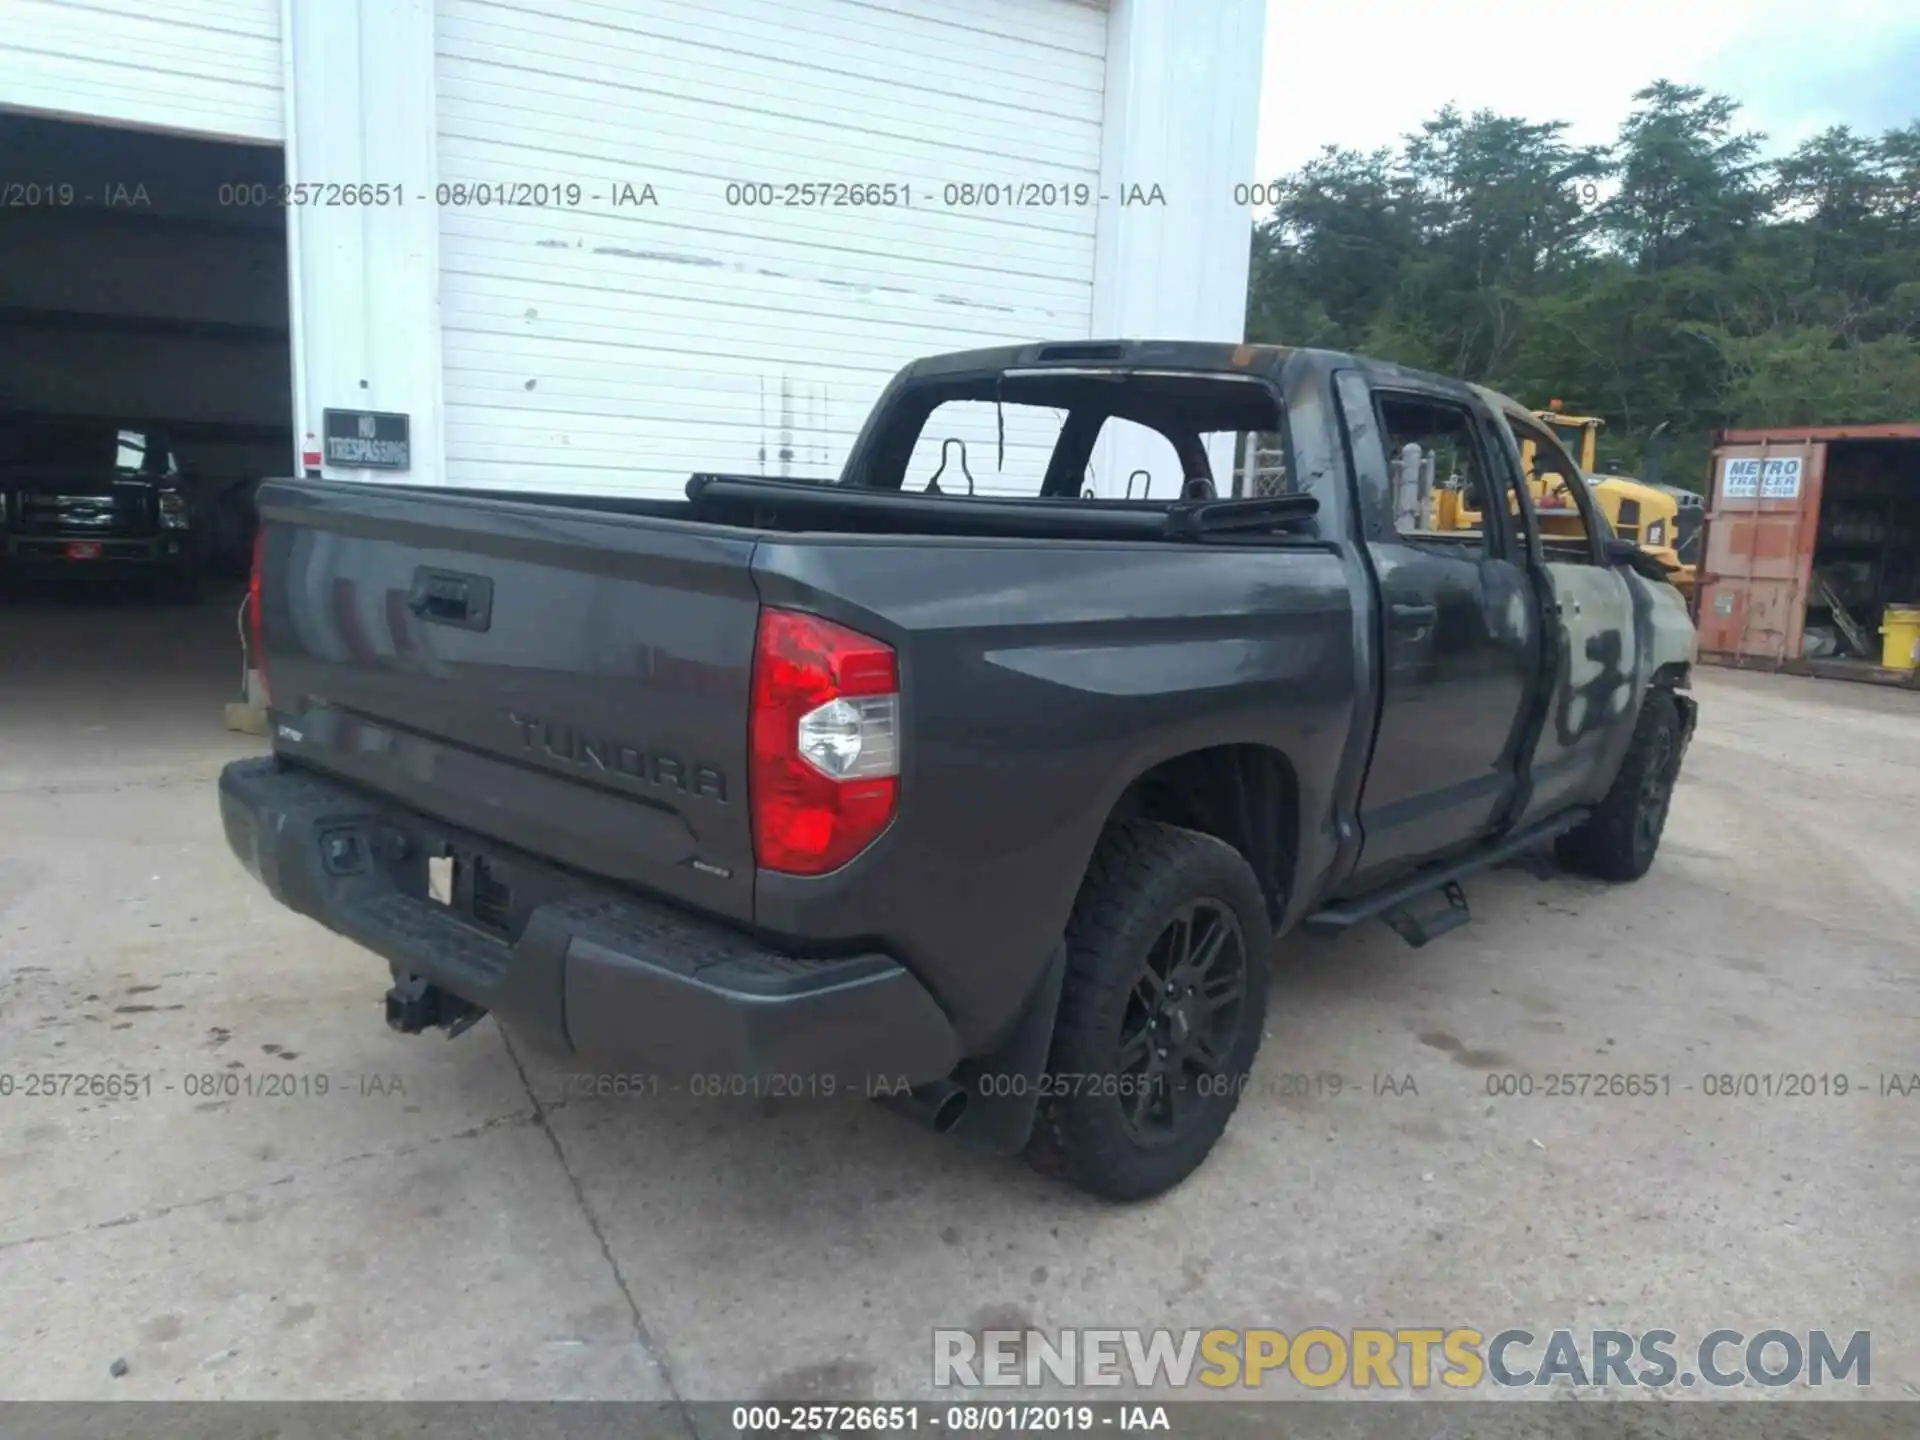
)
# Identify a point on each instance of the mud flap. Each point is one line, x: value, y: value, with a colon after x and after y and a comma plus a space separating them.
x: 1689, y: 709
x: 1003, y: 1089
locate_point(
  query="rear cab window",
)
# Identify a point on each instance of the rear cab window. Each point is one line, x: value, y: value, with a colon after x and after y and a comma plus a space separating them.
x: 1093, y: 437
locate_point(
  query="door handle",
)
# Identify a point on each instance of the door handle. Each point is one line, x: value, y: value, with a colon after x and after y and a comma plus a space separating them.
x: 1413, y: 617
x: 442, y: 602
x: 446, y: 597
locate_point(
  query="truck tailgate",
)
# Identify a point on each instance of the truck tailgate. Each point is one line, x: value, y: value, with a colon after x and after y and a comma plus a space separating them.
x: 573, y: 682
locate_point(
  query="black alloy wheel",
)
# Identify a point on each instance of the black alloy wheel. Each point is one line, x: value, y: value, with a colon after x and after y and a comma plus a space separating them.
x: 1182, y: 1017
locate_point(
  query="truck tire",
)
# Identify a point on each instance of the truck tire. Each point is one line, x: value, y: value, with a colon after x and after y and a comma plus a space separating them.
x: 1623, y: 835
x: 1161, y: 1013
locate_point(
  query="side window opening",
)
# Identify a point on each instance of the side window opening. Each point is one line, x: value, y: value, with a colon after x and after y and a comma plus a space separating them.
x: 1437, y: 472
x: 1564, y: 533
x: 1096, y: 439
x: 1629, y: 523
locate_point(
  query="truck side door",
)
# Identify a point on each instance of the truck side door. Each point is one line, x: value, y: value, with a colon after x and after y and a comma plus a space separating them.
x: 1459, y: 636
x: 1592, y: 643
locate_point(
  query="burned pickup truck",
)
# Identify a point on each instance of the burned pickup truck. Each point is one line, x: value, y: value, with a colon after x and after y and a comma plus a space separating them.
x: 964, y: 772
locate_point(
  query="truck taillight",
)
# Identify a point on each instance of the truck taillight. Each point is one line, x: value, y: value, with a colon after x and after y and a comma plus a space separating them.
x: 824, y: 743
x: 256, y: 642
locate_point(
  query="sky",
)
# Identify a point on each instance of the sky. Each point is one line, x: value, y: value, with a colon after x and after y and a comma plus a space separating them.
x: 1362, y: 73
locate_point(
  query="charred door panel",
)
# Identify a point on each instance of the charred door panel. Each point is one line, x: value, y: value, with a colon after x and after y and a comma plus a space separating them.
x: 1459, y: 640
x: 1592, y: 693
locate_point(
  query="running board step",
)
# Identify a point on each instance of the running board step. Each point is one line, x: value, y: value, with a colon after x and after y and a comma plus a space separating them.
x: 1394, y: 902
x: 1417, y: 929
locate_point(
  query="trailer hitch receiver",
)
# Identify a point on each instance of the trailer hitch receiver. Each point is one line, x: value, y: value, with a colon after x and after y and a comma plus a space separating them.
x: 415, y: 1005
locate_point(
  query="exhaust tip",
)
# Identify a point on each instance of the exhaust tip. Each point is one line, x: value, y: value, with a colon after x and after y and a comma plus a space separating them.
x: 938, y: 1105
x: 948, y: 1109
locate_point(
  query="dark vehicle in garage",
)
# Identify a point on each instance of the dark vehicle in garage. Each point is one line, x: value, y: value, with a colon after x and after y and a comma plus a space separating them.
x: 994, y: 803
x: 96, y: 499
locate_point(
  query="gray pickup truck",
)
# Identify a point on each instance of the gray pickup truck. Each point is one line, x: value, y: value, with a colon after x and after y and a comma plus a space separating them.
x: 956, y: 781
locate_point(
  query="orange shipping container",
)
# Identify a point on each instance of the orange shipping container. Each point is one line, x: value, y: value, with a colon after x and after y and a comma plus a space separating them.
x: 1789, y: 507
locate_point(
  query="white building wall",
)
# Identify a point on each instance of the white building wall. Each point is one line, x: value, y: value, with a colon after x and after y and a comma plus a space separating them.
x: 593, y: 348
x: 1182, y: 111
x: 584, y: 348
x: 211, y: 66
x: 366, y: 279
x: 619, y: 347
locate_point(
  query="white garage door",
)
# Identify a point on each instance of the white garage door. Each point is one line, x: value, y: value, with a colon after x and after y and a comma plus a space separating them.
x: 208, y: 66
x: 726, y: 321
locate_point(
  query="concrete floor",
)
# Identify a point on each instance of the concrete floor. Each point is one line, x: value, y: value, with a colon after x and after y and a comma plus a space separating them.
x: 442, y: 1224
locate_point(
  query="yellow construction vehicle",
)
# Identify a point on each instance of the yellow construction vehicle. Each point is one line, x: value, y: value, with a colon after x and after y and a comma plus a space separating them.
x: 1648, y: 515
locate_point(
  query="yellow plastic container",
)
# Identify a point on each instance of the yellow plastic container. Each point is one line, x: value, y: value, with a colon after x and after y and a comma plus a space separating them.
x: 1900, y: 643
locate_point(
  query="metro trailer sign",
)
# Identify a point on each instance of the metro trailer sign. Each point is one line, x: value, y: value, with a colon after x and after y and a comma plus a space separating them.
x: 1741, y: 478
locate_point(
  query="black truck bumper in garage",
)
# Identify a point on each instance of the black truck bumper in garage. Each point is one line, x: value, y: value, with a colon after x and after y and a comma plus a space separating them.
x: 81, y: 553
x: 624, y: 982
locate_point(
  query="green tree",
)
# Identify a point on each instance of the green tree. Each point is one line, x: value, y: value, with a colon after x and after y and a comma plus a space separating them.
x: 1690, y: 186
x: 1674, y: 279
x: 1339, y: 227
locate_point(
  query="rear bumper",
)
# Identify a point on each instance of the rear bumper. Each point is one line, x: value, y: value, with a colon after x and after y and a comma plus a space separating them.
x: 617, y: 979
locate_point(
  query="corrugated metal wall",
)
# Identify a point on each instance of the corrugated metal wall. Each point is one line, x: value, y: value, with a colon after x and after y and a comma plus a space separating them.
x: 620, y: 347
x: 209, y: 66
x: 1762, y: 517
